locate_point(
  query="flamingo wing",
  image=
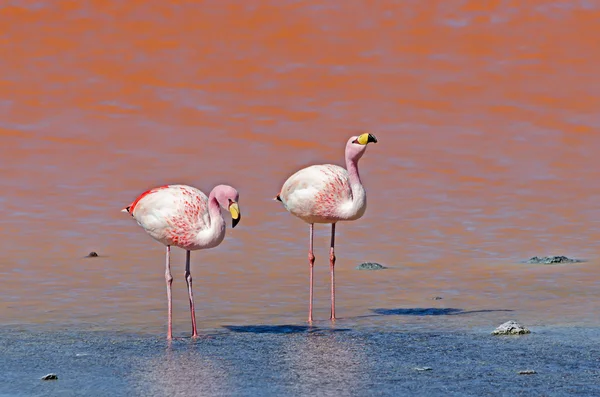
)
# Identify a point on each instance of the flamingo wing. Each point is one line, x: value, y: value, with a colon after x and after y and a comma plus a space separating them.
x: 172, y: 214
x: 317, y: 193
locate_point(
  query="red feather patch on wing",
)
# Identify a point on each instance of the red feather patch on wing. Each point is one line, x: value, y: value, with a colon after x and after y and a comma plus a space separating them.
x: 141, y: 196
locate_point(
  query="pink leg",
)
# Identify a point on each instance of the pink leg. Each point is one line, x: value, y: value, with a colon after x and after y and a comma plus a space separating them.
x: 188, y: 279
x: 169, y: 280
x: 332, y: 269
x: 311, y: 262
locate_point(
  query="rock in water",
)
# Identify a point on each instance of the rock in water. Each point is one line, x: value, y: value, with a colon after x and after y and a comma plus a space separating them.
x: 370, y: 266
x: 548, y: 260
x: 50, y: 377
x: 527, y: 372
x: 511, y: 328
x: 92, y: 254
x: 423, y: 369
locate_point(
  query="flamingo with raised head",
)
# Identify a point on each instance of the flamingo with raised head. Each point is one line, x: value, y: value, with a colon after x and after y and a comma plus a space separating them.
x: 327, y: 194
x: 182, y: 216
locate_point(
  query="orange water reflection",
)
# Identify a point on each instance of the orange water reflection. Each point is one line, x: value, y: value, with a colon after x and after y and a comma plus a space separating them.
x: 486, y: 116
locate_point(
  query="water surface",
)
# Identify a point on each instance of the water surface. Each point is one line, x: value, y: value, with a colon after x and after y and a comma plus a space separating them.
x: 487, y: 121
x: 298, y: 361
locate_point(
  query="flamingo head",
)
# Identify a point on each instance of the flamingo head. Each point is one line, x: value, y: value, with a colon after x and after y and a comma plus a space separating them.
x: 357, y: 145
x: 228, y: 198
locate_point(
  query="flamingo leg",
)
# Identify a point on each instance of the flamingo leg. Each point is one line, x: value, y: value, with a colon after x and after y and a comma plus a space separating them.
x: 332, y: 270
x: 311, y: 263
x: 169, y: 281
x: 188, y: 279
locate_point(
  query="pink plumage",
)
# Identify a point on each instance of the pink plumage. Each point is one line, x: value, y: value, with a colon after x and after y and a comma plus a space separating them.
x: 328, y: 194
x: 182, y: 216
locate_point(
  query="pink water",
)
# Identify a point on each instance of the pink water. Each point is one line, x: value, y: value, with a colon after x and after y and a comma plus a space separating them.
x: 486, y: 116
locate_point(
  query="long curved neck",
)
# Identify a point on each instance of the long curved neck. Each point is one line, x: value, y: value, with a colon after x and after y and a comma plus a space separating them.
x: 359, y: 196
x: 214, y: 211
x: 215, y: 233
x: 352, y: 167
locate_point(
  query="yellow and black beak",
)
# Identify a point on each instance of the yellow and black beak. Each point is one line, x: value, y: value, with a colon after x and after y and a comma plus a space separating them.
x: 366, y: 138
x: 234, y: 209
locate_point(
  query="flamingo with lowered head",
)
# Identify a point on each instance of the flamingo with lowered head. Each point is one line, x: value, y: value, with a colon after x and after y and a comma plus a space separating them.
x: 182, y: 216
x: 327, y: 194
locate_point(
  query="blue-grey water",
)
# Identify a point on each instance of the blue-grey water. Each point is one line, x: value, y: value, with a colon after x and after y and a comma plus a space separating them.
x: 295, y: 360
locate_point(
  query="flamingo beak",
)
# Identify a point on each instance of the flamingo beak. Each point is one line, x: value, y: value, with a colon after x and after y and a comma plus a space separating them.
x: 366, y: 138
x: 234, y: 209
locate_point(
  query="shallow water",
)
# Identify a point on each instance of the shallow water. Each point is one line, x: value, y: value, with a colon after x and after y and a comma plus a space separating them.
x: 300, y: 361
x: 486, y: 117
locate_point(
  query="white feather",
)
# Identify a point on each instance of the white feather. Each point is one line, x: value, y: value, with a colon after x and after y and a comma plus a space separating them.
x: 182, y: 211
x: 323, y: 194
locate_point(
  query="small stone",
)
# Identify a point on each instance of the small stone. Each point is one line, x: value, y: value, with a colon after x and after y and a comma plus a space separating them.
x: 511, y: 328
x: 92, y: 254
x: 527, y: 372
x: 50, y: 377
x: 437, y: 298
x: 370, y: 266
x: 548, y: 260
x: 423, y: 369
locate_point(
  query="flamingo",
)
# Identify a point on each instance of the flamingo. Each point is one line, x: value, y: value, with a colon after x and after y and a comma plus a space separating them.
x: 182, y: 216
x: 327, y: 194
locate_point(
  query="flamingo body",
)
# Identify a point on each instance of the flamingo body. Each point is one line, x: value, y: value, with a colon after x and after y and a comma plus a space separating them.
x: 323, y: 194
x: 178, y: 215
